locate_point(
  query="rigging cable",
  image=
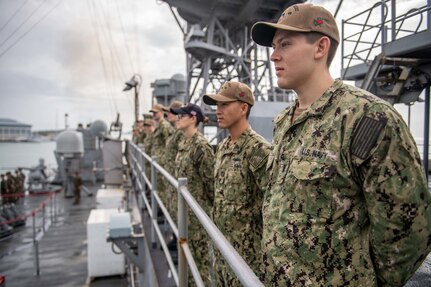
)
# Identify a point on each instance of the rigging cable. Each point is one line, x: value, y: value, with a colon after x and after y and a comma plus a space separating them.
x: 31, y: 28
x: 115, y: 67
x: 124, y: 37
x: 14, y: 14
x: 102, y: 59
x: 23, y: 23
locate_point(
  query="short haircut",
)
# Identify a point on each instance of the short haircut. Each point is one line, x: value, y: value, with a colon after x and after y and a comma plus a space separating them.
x: 312, y: 37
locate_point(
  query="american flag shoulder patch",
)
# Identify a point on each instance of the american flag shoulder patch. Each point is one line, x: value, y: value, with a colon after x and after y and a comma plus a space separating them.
x: 365, y: 136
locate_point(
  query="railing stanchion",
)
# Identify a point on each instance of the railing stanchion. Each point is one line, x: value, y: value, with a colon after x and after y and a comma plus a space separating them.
x: 182, y: 234
x: 36, y: 245
x: 153, y: 203
x: 43, y: 217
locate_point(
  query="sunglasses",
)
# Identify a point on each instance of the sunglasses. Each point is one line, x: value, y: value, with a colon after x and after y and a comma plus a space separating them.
x: 180, y: 116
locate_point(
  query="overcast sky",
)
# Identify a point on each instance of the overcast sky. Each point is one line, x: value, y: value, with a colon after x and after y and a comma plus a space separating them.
x: 51, y: 62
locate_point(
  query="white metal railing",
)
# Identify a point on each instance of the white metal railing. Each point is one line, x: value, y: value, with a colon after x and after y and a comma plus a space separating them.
x: 137, y: 159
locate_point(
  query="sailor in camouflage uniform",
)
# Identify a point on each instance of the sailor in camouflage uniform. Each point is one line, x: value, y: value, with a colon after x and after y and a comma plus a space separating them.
x: 347, y: 203
x: 240, y: 178
x: 148, y: 144
x: 195, y: 161
x: 138, y: 132
x: 168, y: 159
x: 160, y: 136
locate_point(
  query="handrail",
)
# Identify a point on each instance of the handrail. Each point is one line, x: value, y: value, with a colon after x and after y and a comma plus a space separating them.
x: 395, y: 24
x: 244, y: 273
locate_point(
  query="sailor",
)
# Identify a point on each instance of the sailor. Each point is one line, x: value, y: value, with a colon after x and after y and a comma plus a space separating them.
x: 77, y: 185
x: 168, y: 158
x: 160, y: 136
x: 11, y: 187
x: 347, y: 203
x: 138, y: 132
x: 240, y: 178
x: 22, y: 178
x: 3, y: 188
x: 148, y: 143
x: 195, y: 161
x: 19, y: 185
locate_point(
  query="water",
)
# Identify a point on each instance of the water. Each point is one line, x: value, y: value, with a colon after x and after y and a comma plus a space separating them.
x: 26, y: 154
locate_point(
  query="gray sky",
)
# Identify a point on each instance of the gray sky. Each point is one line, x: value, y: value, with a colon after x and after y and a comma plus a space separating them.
x: 56, y: 67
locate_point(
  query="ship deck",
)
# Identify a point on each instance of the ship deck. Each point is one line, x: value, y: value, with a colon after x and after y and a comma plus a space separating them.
x: 62, y: 249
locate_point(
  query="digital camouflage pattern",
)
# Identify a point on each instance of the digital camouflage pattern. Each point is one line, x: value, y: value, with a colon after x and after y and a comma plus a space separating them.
x: 240, y: 179
x: 195, y: 161
x: 168, y: 162
x: 148, y: 146
x: 347, y: 203
x: 160, y: 136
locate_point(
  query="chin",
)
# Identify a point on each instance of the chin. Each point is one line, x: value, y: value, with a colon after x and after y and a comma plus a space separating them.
x: 283, y: 84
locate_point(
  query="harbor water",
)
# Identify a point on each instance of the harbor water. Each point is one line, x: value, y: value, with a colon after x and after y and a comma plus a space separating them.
x: 26, y: 155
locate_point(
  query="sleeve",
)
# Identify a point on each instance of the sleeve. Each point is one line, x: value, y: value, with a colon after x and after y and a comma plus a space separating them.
x: 387, y: 162
x: 206, y: 170
x: 258, y: 162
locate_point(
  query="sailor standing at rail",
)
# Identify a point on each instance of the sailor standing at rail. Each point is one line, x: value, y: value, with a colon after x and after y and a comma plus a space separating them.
x: 168, y: 158
x: 148, y: 143
x: 160, y: 136
x: 240, y: 178
x: 348, y: 203
x: 3, y: 189
x: 195, y: 161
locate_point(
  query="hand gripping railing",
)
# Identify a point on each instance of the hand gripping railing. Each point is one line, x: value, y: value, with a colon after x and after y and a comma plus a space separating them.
x: 137, y: 160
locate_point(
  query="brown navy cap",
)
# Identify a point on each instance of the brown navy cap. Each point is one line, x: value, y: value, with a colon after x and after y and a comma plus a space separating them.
x: 157, y: 108
x: 303, y: 17
x: 148, y: 122
x: 231, y: 92
x: 173, y: 105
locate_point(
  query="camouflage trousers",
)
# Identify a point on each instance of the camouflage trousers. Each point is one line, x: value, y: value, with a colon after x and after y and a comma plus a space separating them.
x: 199, y: 244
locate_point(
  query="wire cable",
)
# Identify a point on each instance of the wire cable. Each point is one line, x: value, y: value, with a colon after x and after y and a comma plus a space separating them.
x: 13, y: 16
x: 30, y: 29
x: 23, y: 23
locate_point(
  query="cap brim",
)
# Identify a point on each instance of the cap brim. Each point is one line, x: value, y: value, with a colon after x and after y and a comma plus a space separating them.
x: 155, y: 111
x: 262, y: 33
x: 212, y: 100
x: 166, y: 110
x: 178, y: 111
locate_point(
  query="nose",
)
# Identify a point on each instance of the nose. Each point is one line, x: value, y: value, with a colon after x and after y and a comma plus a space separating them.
x: 274, y: 55
x: 218, y: 110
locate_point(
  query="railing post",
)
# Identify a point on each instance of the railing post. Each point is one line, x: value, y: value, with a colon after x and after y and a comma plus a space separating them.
x: 182, y: 234
x: 153, y: 202
x: 43, y: 217
x: 36, y: 245
x: 50, y: 208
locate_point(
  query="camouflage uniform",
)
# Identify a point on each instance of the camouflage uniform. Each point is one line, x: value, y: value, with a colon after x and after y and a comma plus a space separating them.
x: 148, y: 145
x: 347, y: 203
x: 240, y: 180
x: 160, y: 136
x: 3, y: 189
x: 168, y: 162
x: 195, y: 161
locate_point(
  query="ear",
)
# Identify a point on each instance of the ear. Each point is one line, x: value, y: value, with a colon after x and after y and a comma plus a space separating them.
x: 322, y: 47
x: 244, y: 108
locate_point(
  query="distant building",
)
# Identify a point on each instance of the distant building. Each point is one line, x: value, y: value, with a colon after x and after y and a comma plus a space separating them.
x: 11, y: 130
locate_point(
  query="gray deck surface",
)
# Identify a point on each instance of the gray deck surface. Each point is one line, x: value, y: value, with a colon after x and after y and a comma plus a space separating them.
x: 62, y: 249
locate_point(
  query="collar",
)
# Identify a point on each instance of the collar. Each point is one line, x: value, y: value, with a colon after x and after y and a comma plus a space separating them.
x: 242, y: 140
